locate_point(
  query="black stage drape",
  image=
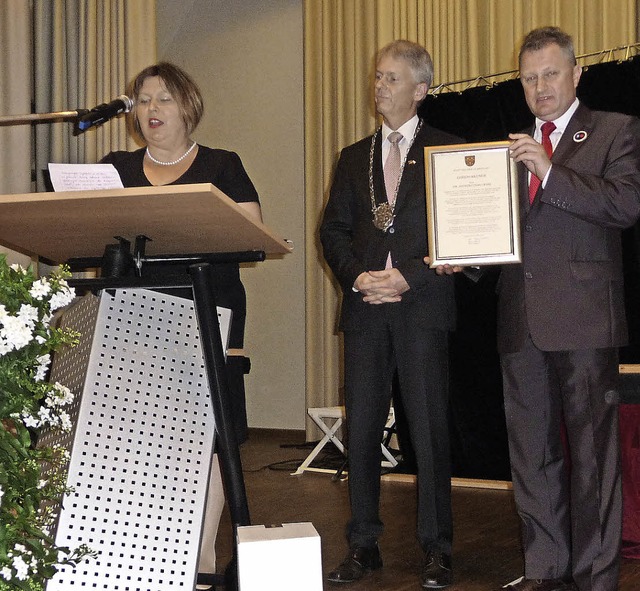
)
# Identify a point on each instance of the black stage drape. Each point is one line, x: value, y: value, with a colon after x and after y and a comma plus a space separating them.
x: 479, y: 442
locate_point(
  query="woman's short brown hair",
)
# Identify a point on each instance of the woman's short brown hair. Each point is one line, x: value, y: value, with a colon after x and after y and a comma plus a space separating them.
x: 181, y: 87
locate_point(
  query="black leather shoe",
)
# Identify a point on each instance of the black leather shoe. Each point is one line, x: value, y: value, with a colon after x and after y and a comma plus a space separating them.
x: 358, y: 563
x: 436, y: 571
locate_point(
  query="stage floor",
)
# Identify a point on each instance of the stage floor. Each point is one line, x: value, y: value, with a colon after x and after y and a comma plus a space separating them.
x: 486, y: 551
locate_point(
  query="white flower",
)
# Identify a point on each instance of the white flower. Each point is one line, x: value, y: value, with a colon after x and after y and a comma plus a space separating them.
x: 1, y: 495
x: 43, y: 366
x: 16, y: 332
x: 30, y: 422
x: 45, y: 416
x: 63, y: 297
x: 40, y: 289
x: 64, y: 396
x: 65, y: 422
x: 5, y: 573
x: 42, y: 484
x: 28, y: 314
x: 5, y: 347
x: 21, y: 567
x: 19, y: 268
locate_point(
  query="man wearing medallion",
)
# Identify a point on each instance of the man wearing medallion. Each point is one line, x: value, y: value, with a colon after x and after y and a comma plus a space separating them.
x: 396, y: 314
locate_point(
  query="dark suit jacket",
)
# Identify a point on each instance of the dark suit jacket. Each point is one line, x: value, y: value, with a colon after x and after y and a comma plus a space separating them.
x: 352, y: 245
x: 568, y: 293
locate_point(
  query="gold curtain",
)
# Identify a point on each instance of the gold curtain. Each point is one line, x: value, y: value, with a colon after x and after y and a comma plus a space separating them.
x: 15, y: 95
x: 466, y: 38
x: 15, y: 99
x: 86, y: 52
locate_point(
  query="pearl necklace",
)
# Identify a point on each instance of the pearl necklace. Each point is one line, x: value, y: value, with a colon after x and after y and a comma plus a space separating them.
x: 193, y: 145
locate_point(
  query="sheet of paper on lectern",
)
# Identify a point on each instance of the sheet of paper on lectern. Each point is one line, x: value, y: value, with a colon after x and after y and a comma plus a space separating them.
x: 84, y: 177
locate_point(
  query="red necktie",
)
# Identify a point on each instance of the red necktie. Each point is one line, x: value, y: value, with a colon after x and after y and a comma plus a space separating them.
x: 534, y: 181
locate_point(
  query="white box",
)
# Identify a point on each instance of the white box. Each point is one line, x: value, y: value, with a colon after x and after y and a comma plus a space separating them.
x: 286, y: 558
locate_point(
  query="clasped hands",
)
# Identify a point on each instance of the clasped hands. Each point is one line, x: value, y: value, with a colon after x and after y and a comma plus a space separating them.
x: 381, y: 287
x: 388, y: 285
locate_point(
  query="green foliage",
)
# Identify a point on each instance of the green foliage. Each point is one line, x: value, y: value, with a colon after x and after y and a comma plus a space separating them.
x: 32, y: 478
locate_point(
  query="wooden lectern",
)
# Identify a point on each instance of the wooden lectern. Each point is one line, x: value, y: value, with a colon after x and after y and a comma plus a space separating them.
x: 189, y: 225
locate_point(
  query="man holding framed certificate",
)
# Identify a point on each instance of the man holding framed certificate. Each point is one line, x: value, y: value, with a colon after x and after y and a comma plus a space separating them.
x: 561, y: 320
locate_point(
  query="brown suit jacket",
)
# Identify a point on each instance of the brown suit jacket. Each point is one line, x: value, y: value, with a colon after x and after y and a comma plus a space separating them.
x: 568, y: 291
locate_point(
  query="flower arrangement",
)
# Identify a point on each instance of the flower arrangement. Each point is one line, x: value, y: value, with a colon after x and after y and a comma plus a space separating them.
x: 32, y: 478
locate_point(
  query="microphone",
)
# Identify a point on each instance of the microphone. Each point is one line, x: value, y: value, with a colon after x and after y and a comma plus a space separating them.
x: 98, y: 115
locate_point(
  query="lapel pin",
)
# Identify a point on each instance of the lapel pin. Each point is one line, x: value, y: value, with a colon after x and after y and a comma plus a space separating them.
x: 411, y: 162
x: 580, y: 136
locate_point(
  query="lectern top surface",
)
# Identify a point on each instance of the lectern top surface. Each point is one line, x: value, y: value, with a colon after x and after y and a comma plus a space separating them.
x: 179, y: 219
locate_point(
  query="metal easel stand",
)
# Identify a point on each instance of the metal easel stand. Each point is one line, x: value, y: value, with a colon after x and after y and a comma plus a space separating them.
x: 202, y: 283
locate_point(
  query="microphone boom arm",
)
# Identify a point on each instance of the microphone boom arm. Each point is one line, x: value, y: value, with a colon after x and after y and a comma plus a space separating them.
x: 42, y: 117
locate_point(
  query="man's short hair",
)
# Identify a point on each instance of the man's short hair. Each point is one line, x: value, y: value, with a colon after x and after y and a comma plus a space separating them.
x: 414, y: 54
x: 544, y: 36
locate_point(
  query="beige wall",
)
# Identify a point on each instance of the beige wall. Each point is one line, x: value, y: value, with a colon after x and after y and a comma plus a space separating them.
x: 247, y: 58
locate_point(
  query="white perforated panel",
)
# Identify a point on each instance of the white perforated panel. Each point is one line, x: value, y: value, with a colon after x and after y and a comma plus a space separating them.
x: 142, y: 446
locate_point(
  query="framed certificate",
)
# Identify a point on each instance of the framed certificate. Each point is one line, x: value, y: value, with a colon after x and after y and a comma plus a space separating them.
x: 472, y: 204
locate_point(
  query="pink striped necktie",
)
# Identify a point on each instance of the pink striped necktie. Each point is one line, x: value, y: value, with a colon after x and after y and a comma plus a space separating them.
x: 392, y: 166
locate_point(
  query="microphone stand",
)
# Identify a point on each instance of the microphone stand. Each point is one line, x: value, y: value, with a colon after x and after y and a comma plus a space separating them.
x: 42, y: 117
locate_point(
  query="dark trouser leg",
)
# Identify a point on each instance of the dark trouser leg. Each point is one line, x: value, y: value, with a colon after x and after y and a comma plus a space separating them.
x: 540, y: 483
x: 423, y: 374
x: 369, y: 367
x: 590, y: 403
x: 541, y: 387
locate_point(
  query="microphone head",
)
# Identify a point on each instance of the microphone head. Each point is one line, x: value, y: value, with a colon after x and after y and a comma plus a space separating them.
x: 104, y: 112
x: 128, y: 103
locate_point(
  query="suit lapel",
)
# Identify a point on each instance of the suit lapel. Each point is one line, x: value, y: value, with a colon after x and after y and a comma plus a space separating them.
x: 576, y: 133
x: 378, y: 173
x: 523, y: 178
x: 523, y: 186
x: 412, y: 168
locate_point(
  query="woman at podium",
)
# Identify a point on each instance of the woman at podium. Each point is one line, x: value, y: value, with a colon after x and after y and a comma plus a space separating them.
x: 167, y: 108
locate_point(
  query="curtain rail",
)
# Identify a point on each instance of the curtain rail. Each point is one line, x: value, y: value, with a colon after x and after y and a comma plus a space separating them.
x: 605, y: 55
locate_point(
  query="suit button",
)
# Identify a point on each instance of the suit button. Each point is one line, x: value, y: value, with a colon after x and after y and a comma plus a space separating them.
x: 528, y: 275
x: 392, y: 230
x: 528, y: 228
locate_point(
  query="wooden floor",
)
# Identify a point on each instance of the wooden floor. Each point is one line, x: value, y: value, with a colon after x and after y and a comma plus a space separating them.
x: 486, y: 539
